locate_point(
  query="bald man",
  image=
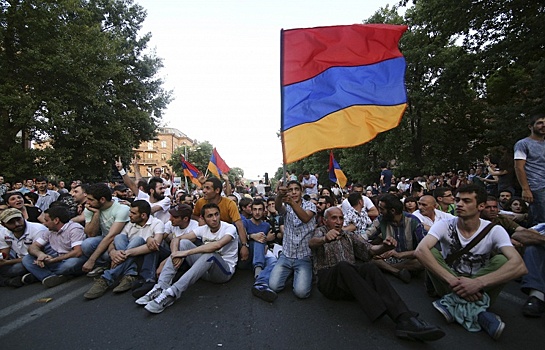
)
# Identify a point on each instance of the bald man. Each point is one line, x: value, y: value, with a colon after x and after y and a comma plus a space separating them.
x: 427, y: 212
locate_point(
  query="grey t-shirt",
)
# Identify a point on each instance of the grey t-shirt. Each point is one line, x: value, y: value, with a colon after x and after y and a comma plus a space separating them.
x: 533, y: 152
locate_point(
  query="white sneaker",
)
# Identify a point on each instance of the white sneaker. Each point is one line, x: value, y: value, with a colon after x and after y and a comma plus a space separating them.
x: 160, y: 303
x: 152, y: 294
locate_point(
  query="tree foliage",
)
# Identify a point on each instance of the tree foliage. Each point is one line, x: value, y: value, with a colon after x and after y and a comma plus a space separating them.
x: 474, y: 73
x: 75, y: 74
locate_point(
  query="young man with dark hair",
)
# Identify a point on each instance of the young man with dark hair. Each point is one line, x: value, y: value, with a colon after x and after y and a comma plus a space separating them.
x: 154, y: 193
x: 104, y: 219
x: 476, y: 276
x: 259, y: 233
x: 213, y: 261
x: 299, y: 223
x: 142, y: 235
x: 530, y: 168
x: 245, y: 206
x: 212, y: 188
x: 57, y: 254
x: 408, y: 232
x: 45, y: 196
x: 445, y: 200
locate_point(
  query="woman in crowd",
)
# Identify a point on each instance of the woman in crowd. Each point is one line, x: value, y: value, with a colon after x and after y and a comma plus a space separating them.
x: 410, y: 205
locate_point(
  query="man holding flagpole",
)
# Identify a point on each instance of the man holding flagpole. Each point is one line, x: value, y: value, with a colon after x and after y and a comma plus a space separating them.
x: 299, y: 223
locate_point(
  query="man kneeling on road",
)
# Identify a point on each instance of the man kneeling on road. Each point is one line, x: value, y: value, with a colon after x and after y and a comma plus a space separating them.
x: 465, y: 272
x: 214, y: 260
x: 142, y: 235
x: 335, y: 253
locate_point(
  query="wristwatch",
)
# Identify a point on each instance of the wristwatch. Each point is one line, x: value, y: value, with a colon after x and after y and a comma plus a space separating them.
x: 247, y: 245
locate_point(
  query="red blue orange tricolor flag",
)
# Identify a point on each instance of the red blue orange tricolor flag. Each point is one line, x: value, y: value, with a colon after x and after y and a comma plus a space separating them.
x: 341, y: 86
x: 335, y: 173
x: 190, y: 171
x: 217, y: 165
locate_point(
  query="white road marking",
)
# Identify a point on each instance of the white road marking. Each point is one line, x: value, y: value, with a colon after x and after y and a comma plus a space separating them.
x: 35, y: 314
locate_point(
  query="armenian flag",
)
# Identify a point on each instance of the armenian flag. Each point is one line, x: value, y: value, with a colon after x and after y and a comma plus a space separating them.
x: 217, y: 165
x: 190, y: 171
x: 341, y: 86
x: 335, y: 173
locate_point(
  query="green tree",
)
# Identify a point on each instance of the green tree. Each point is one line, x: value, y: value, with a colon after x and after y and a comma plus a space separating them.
x: 198, y: 155
x: 76, y: 75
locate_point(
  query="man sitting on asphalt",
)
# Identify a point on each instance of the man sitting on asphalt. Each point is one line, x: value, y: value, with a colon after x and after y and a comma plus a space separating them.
x: 104, y: 219
x: 427, y: 212
x: 16, y: 234
x: 469, y: 281
x: 406, y: 229
x: 335, y: 252
x: 142, y: 235
x: 214, y: 260
x: 56, y: 255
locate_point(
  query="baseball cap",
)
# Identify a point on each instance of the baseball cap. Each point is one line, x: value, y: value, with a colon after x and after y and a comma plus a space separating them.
x: 9, y: 214
x: 120, y: 188
x: 181, y: 210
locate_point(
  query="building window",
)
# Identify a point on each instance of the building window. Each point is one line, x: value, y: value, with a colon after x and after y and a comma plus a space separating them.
x: 163, y: 144
x: 163, y: 156
x: 150, y: 145
x: 150, y: 155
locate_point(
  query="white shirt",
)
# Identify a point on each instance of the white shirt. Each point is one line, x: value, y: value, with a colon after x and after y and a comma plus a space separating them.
x: 152, y: 227
x: 20, y: 246
x: 228, y: 252
x: 367, y: 205
x: 439, y: 215
x: 479, y: 255
x: 178, y: 231
x: 164, y: 203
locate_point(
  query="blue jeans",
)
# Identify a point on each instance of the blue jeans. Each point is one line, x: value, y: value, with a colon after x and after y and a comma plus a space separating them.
x: 534, y: 258
x: 537, y: 207
x: 258, y: 253
x: 14, y: 270
x: 127, y: 267
x: 263, y: 278
x: 68, y: 267
x: 150, y: 262
x: 202, y: 266
x: 89, y: 245
x: 302, y: 275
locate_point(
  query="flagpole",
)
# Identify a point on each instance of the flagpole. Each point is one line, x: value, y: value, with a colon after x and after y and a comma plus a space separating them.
x: 282, y: 106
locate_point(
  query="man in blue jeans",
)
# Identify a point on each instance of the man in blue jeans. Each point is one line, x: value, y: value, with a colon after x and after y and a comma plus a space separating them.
x: 57, y: 254
x: 142, y: 235
x: 259, y: 233
x: 299, y: 223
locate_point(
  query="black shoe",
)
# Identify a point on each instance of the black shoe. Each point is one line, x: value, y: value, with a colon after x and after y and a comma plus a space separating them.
x: 533, y: 307
x: 417, y: 329
x: 14, y: 282
x: 143, y: 289
x: 263, y: 292
x: 29, y: 279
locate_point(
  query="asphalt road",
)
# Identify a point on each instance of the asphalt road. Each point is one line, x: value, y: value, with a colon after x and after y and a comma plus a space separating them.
x: 227, y: 316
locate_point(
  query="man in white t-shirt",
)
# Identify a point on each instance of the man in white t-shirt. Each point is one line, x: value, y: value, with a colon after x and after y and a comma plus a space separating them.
x: 214, y: 260
x: 142, y: 235
x: 155, y: 194
x: 428, y: 214
x: 16, y: 234
x: 475, y: 277
x: 310, y: 184
x: 368, y: 205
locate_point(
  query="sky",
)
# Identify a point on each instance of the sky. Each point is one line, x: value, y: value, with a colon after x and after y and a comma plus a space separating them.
x: 222, y: 62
